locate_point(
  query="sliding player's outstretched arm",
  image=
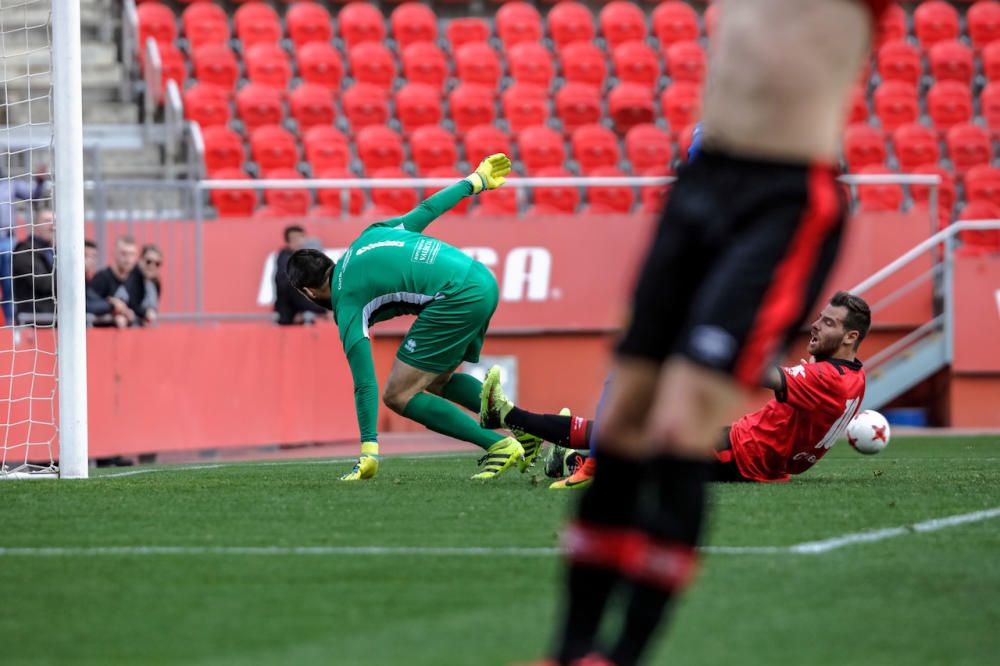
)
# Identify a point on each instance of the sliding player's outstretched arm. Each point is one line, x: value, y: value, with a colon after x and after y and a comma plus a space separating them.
x: 359, y: 359
x: 489, y: 175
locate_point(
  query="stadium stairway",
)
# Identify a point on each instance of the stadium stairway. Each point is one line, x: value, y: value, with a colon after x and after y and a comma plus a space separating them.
x: 900, y: 367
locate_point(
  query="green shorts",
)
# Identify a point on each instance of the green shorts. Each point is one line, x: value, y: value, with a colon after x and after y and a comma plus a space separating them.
x: 452, y: 329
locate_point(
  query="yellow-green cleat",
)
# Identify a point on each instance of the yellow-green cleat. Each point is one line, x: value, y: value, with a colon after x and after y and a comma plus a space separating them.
x: 367, y: 465
x: 499, y: 457
x: 494, y: 404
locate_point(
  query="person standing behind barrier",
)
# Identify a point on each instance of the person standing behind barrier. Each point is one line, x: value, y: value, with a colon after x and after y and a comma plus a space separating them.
x: 149, y: 266
x: 121, y: 285
x: 11, y: 191
x: 291, y: 306
x: 33, y: 269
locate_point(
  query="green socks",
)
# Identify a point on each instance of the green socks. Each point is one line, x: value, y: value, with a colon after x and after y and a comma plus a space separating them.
x: 463, y: 389
x: 441, y: 416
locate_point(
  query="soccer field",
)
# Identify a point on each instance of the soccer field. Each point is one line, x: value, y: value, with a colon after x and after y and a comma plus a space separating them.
x: 278, y: 563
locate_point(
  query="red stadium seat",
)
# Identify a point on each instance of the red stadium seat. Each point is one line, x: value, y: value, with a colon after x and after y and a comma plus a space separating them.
x: 648, y: 147
x: 216, y: 64
x: 268, y: 63
x: 863, y: 146
x: 291, y: 201
x: 559, y: 200
x: 413, y: 22
x: 915, y: 145
x: 334, y: 199
x: 470, y: 105
x: 609, y: 198
x: 570, y: 22
x: 424, y: 62
x: 712, y: 19
x: 946, y: 191
x: 258, y: 104
x: 326, y: 148
x: 432, y: 148
x: 478, y: 63
x: 207, y: 105
x: 982, y: 183
x: 652, y: 197
x: 308, y: 22
x: 525, y: 105
x: 233, y: 203
x: 582, y: 62
x: 630, y: 104
x: 952, y: 61
x: 983, y: 21
x: 205, y: 23
x: 900, y: 61
x: 273, y: 147
x: 674, y: 22
x: 391, y: 202
x: 365, y: 104
x: 949, y: 103
x: 578, y: 104
x: 172, y: 66
x: 156, y: 21
x: 312, y: 105
x: 622, y: 22
x: 379, y: 147
x: 449, y: 172
x: 321, y: 64
x: 935, y: 21
x: 482, y: 141
x: 896, y: 104
x: 530, y: 62
x: 502, y: 202
x: 681, y: 104
x: 463, y: 31
x: 418, y: 104
x: 257, y: 23
x: 968, y: 146
x: 884, y: 197
x: 989, y: 106
x: 991, y: 61
x: 372, y: 63
x: 636, y: 63
x: 977, y: 243
x: 518, y: 22
x: 594, y: 146
x: 540, y: 148
x: 858, y: 109
x: 360, y: 22
x: 892, y: 25
x: 686, y: 62
x: 223, y: 149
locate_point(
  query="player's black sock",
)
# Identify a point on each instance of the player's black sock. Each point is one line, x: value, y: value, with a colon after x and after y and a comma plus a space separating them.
x: 550, y: 427
x: 673, y: 525
x: 607, y: 505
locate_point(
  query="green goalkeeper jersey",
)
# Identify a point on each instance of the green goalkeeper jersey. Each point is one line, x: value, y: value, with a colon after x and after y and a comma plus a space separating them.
x: 392, y: 269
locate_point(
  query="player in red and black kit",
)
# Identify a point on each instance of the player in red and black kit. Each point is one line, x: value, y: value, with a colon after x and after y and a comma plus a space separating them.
x: 746, y: 239
x: 812, y: 405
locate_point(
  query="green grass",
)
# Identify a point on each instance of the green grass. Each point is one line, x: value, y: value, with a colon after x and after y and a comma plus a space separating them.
x: 927, y: 598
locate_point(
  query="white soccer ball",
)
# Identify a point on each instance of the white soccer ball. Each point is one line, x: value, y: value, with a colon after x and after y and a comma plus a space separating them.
x: 868, y: 432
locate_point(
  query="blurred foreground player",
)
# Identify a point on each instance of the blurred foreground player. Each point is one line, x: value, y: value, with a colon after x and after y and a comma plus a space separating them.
x: 812, y: 405
x: 749, y: 232
x: 393, y: 269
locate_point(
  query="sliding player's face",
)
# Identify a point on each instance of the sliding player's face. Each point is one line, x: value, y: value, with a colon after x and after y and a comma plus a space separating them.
x: 827, y: 333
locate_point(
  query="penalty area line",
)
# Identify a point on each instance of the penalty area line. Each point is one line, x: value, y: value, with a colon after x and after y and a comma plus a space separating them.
x: 804, y: 548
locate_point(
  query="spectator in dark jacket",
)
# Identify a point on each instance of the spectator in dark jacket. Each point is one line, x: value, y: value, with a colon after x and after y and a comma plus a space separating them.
x: 34, y: 267
x: 121, y: 285
x: 13, y: 190
x: 291, y: 306
x: 99, y: 310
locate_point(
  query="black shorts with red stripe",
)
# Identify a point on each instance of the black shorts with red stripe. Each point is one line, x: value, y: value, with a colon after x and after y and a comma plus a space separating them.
x: 740, y: 254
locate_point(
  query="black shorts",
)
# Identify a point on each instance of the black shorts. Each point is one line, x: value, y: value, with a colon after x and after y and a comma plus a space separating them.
x: 724, y: 467
x: 740, y: 255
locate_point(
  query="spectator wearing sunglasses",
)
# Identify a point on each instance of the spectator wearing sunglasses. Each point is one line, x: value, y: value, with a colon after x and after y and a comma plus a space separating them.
x: 150, y: 263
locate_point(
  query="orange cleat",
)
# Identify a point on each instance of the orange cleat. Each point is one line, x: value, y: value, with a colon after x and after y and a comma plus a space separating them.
x: 581, y: 478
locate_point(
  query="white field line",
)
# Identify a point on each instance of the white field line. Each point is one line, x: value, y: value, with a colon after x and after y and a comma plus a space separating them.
x: 805, y: 548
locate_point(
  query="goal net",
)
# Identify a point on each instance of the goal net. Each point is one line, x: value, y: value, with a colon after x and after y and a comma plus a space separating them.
x: 32, y: 339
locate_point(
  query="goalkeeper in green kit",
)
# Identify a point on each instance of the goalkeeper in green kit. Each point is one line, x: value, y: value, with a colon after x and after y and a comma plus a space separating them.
x: 393, y: 269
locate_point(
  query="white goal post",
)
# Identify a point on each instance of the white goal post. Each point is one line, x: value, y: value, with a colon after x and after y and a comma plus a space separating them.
x: 43, y: 368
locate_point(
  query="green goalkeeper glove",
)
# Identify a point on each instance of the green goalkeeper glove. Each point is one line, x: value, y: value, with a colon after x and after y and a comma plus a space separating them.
x: 489, y: 175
